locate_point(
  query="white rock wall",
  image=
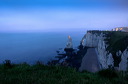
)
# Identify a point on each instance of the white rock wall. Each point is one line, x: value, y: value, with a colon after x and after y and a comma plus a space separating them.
x: 123, y: 66
x: 91, y: 40
x: 105, y: 58
x: 97, y: 41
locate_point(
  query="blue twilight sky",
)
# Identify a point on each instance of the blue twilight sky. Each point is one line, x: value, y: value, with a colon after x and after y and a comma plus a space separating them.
x: 62, y: 15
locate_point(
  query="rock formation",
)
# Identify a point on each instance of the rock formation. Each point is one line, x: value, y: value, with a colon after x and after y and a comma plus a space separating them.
x: 106, y: 60
x: 97, y: 40
x: 69, y: 43
x: 124, y: 61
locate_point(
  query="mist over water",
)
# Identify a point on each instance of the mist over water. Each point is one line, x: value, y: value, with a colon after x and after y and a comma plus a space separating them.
x: 33, y: 47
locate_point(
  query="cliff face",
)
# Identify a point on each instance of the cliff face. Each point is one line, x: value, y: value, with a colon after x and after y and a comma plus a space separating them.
x: 105, y: 57
x: 97, y: 41
x: 124, y: 61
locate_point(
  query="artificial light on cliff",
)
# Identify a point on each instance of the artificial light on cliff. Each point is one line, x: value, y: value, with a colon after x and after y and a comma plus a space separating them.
x: 116, y: 29
x: 121, y: 28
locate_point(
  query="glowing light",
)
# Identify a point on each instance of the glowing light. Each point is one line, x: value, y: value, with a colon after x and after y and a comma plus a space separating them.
x: 116, y: 29
x: 121, y: 28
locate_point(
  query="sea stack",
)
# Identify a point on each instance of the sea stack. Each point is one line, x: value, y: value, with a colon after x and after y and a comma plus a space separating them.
x: 69, y: 46
x: 69, y: 42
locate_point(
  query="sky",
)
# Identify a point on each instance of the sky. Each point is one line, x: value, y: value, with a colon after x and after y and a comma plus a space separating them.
x: 62, y: 15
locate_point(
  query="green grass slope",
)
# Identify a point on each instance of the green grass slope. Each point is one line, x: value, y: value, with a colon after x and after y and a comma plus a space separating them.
x: 117, y: 41
x: 40, y: 74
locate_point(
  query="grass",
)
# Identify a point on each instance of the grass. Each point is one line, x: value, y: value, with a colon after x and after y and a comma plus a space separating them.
x: 117, y: 41
x: 42, y: 74
x: 108, y: 73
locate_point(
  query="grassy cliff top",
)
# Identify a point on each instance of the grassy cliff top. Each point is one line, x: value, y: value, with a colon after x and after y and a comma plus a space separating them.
x: 40, y: 74
x: 116, y: 40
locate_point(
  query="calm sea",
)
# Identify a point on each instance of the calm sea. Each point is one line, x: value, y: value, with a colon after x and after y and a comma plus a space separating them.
x: 33, y: 47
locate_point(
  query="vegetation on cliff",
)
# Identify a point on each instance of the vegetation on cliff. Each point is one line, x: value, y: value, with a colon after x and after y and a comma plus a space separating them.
x: 117, y: 41
x: 43, y: 74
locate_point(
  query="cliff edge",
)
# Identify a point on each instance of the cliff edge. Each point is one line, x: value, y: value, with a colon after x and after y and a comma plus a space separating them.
x: 111, y: 48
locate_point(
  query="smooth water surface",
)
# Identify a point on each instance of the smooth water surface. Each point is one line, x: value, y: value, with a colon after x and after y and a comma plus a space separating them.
x: 33, y: 47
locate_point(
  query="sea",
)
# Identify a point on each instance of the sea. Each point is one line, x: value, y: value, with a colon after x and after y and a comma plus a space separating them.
x: 33, y: 47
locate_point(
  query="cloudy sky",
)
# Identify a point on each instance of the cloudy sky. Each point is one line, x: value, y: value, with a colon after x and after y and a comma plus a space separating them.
x: 62, y: 15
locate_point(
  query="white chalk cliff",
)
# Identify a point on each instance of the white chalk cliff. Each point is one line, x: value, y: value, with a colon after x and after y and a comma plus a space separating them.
x: 106, y: 60
x: 124, y: 61
x: 97, y: 40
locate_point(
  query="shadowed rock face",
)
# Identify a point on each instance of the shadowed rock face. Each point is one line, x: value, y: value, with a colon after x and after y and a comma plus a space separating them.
x: 90, y: 61
x: 124, y: 61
